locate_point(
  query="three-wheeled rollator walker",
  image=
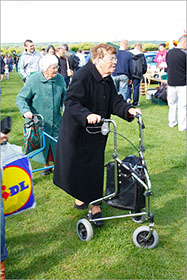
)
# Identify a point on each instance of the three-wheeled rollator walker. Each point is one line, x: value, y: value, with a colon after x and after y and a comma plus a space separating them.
x: 128, y: 187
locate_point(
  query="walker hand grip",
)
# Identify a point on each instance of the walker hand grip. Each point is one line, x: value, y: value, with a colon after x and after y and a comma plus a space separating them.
x: 40, y: 118
x: 105, y: 127
x: 140, y: 120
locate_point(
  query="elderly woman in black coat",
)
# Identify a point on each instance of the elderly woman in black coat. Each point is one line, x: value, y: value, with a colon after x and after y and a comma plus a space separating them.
x: 79, y: 163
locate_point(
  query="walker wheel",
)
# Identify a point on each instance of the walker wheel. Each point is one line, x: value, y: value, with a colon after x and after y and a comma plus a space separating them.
x: 138, y: 219
x: 84, y: 230
x: 141, y: 233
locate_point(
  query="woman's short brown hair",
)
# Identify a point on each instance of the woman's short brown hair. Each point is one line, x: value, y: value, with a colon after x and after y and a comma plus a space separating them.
x: 98, y: 52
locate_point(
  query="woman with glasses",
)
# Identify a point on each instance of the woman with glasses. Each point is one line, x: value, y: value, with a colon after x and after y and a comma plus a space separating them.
x: 79, y: 163
x: 44, y: 94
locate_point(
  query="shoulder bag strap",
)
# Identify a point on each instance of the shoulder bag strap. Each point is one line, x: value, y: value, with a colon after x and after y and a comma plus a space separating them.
x: 67, y: 62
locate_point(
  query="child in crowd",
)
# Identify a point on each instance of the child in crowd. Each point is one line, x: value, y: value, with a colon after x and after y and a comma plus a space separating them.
x: 6, y: 72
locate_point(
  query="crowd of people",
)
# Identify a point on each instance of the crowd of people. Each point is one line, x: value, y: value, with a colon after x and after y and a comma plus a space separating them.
x: 29, y: 62
x: 92, y: 90
x: 6, y: 66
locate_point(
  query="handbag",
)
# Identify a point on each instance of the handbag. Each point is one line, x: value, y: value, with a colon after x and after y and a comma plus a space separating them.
x: 31, y: 133
x: 161, y: 92
x: 6, y: 124
x: 69, y: 71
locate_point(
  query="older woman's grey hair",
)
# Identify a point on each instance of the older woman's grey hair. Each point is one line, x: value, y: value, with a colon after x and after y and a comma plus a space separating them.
x: 47, y: 61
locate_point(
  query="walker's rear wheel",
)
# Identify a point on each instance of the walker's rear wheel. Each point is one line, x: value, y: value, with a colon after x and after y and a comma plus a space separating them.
x: 141, y: 233
x: 138, y: 219
x: 84, y: 230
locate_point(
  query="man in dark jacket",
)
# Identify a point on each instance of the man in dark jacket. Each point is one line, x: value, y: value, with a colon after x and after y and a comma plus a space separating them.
x: 139, y: 66
x: 122, y: 75
x: 79, y: 163
x: 177, y: 85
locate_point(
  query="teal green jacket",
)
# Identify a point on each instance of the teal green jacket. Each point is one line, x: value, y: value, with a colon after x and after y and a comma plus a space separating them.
x: 44, y: 97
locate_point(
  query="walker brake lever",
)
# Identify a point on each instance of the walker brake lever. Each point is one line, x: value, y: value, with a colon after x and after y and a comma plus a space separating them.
x: 105, y: 127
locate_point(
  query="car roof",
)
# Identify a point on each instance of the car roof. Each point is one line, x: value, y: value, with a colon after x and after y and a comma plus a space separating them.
x: 151, y: 53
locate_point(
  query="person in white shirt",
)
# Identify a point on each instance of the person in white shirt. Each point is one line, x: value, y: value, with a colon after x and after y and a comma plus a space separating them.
x: 29, y: 61
x: 81, y: 56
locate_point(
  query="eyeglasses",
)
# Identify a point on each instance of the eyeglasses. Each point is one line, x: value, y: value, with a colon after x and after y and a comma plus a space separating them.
x: 54, y: 67
x: 111, y: 59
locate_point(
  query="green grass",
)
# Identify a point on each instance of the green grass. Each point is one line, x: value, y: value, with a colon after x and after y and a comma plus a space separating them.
x: 43, y: 243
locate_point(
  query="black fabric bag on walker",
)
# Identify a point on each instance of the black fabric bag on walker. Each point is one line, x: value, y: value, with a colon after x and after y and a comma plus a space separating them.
x: 130, y: 192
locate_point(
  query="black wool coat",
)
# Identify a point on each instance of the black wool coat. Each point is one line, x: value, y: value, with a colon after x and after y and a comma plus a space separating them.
x: 79, y: 163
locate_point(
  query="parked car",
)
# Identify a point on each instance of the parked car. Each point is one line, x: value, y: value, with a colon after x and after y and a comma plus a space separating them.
x: 150, y: 58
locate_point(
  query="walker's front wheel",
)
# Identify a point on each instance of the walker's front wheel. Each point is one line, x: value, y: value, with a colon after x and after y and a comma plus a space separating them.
x: 139, y: 238
x: 84, y: 230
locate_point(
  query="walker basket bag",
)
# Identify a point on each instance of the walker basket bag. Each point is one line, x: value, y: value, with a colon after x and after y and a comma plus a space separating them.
x: 31, y: 132
x: 130, y: 194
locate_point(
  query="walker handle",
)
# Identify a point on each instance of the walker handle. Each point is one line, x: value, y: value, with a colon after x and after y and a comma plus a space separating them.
x: 140, y: 120
x: 41, y: 118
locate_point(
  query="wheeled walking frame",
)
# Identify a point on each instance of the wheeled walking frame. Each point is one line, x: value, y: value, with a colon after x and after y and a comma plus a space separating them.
x: 128, y: 187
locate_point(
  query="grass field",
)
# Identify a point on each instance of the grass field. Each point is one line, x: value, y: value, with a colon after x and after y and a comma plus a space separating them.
x: 43, y: 244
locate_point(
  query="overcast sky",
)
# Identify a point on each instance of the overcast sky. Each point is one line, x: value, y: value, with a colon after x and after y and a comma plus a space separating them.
x: 89, y: 21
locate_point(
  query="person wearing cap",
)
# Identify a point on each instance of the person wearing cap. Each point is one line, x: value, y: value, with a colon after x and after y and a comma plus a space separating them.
x: 44, y: 94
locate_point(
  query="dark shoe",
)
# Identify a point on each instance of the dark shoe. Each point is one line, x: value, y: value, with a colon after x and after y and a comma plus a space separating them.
x: 97, y: 215
x: 81, y: 207
x: 47, y: 172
